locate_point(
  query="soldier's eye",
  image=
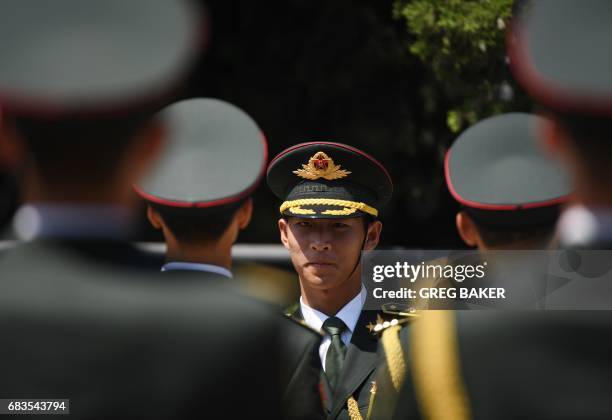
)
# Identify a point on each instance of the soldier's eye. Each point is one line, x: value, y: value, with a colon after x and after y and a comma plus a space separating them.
x: 303, y: 224
x: 341, y: 225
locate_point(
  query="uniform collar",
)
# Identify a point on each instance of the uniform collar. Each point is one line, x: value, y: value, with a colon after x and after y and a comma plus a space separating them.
x: 349, y: 314
x: 581, y: 226
x: 190, y: 266
x: 72, y: 221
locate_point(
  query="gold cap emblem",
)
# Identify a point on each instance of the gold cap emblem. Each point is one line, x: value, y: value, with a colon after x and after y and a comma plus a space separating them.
x: 321, y: 166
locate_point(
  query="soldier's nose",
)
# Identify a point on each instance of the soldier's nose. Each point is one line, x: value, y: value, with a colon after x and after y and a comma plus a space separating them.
x: 320, y: 246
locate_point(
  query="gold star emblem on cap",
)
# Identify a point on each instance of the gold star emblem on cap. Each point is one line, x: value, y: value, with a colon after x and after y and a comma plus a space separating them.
x: 321, y: 166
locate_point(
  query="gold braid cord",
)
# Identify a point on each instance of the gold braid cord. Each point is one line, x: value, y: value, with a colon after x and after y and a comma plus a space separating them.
x: 435, y: 363
x: 344, y: 212
x: 348, y: 206
x: 394, y: 356
x: 353, y: 409
x: 299, y: 210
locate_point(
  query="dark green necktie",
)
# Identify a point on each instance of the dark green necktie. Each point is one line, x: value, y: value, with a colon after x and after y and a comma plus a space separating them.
x: 334, y: 359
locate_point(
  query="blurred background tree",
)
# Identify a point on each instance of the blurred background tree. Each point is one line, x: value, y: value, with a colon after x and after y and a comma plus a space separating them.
x: 462, y: 44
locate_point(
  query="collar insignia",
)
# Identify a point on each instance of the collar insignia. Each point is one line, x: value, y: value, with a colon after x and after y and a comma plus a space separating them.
x: 321, y: 166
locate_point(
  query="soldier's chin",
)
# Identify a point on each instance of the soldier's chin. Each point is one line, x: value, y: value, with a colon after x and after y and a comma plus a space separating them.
x: 321, y: 280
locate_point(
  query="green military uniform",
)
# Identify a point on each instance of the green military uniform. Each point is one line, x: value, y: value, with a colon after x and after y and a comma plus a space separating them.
x: 333, y: 180
x: 391, y: 371
x: 361, y: 388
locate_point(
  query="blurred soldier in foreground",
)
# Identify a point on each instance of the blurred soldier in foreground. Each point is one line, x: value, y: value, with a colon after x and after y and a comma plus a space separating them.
x: 79, y: 318
x: 510, y: 192
x: 198, y: 194
x: 545, y: 365
x: 331, y: 196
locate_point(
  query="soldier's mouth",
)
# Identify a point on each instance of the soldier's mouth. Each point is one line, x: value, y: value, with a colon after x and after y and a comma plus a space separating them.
x: 320, y: 264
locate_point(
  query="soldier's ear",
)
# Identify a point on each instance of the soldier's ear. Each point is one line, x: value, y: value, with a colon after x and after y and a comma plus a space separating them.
x: 244, y: 214
x: 372, y: 235
x: 154, y: 218
x: 467, y: 229
x: 282, y: 228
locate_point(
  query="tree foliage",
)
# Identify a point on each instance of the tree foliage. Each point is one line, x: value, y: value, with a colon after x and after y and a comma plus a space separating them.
x: 462, y: 45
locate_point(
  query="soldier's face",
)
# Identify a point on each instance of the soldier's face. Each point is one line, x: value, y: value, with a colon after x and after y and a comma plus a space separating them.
x: 325, y: 252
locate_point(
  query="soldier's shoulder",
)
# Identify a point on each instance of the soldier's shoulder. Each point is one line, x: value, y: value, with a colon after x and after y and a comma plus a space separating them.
x: 396, y: 315
x: 293, y: 314
x: 293, y: 310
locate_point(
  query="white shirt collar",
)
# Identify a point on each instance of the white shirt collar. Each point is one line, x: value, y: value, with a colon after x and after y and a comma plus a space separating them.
x: 349, y: 314
x: 55, y: 220
x: 581, y: 226
x: 190, y: 266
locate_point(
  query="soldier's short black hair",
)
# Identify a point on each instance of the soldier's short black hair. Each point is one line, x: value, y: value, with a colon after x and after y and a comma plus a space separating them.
x: 530, y: 236
x: 66, y: 152
x: 197, y: 225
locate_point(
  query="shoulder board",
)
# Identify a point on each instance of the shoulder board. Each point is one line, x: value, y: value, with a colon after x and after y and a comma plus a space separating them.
x: 399, y: 310
x: 302, y: 323
x: 291, y: 309
x: 392, y: 314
